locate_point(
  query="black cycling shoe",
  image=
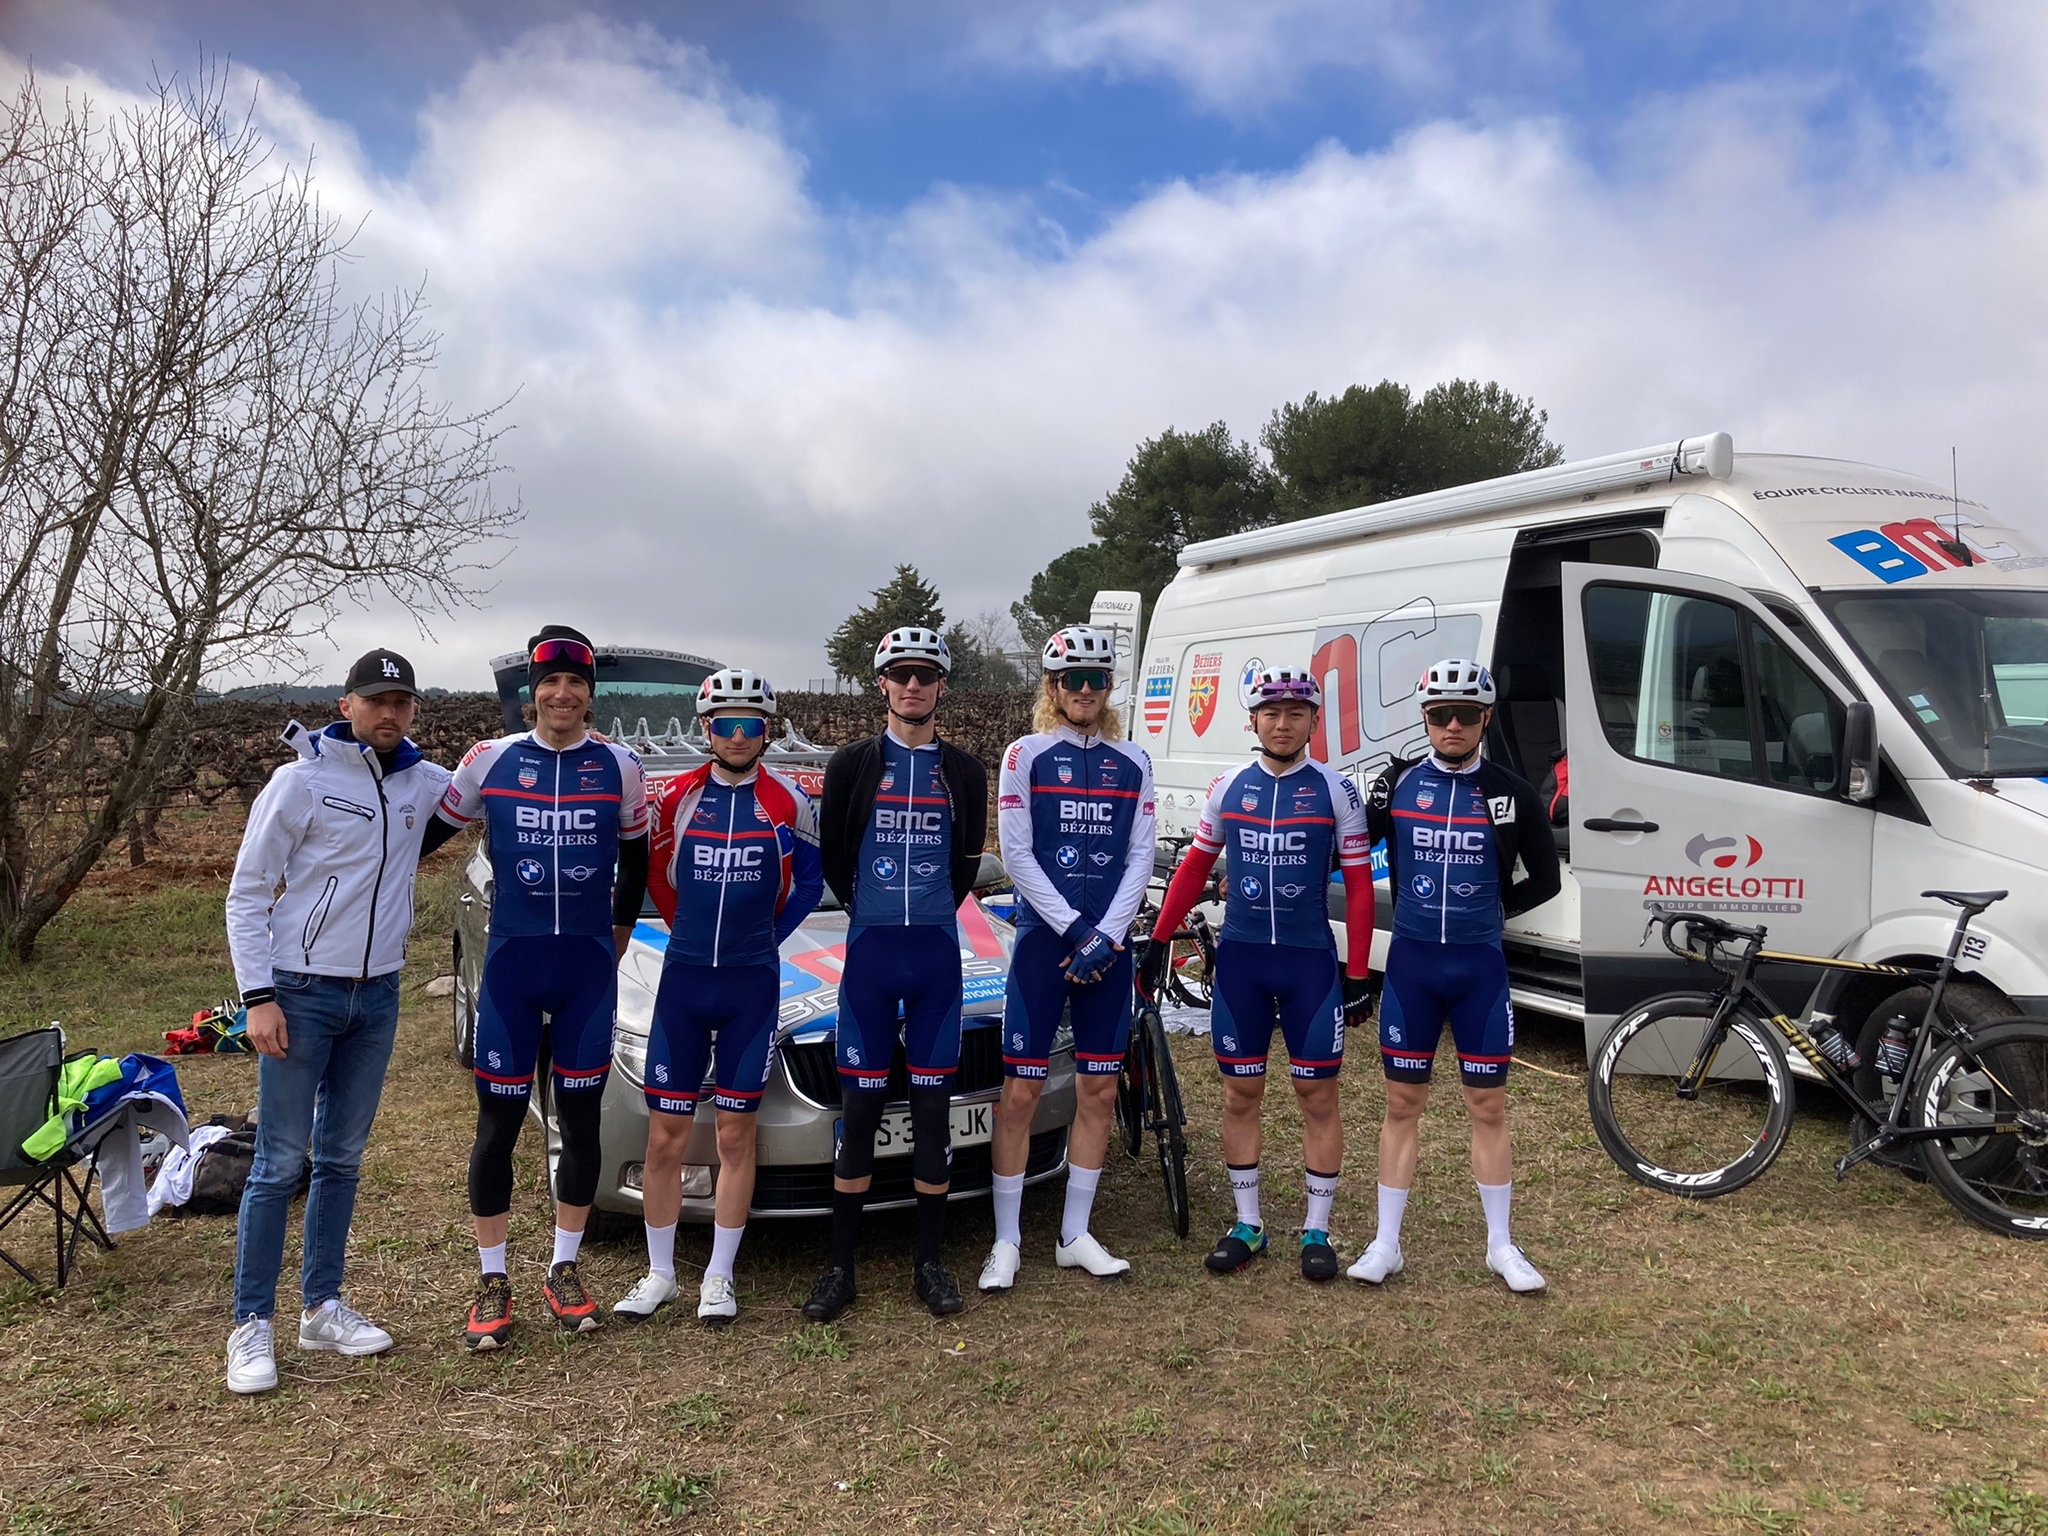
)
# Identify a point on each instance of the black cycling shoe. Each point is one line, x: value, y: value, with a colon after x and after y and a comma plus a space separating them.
x: 832, y: 1295
x: 1238, y: 1247
x: 1318, y: 1258
x: 935, y: 1288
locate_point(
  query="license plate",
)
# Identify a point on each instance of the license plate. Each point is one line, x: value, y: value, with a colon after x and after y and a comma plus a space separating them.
x: 973, y: 1124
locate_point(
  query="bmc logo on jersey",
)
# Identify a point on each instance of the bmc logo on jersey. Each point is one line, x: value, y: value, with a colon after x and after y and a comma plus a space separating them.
x: 1449, y: 840
x: 1254, y: 841
x: 906, y: 821
x: 1086, y: 810
x: 747, y: 856
x: 532, y: 816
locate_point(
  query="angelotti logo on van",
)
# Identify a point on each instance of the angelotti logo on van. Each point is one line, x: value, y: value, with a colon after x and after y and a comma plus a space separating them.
x: 1730, y: 892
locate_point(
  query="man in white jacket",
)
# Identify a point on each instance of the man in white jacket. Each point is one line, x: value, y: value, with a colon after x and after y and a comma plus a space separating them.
x: 340, y: 827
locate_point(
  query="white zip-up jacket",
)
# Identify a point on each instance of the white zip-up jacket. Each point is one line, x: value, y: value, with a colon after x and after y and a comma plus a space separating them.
x: 343, y: 838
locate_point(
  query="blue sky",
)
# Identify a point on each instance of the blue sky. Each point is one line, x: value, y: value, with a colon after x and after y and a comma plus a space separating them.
x: 911, y: 279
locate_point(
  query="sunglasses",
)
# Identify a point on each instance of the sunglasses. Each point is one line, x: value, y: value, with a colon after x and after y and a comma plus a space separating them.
x: 729, y: 726
x: 1445, y: 715
x: 903, y: 677
x: 1085, y: 678
x: 574, y: 651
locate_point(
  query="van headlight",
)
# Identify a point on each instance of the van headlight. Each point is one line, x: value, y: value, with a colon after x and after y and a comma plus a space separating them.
x: 1063, y: 1039
x: 629, y: 1052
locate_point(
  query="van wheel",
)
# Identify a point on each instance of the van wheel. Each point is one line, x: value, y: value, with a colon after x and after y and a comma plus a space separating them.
x: 1967, y: 1002
x: 464, y: 1009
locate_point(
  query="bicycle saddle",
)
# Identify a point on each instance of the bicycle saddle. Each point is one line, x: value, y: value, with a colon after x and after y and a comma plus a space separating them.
x: 1973, y: 901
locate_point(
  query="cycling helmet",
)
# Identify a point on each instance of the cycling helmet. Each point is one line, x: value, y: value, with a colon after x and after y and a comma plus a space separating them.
x: 1078, y: 646
x: 735, y: 688
x: 1278, y: 685
x: 913, y: 643
x: 1456, y: 679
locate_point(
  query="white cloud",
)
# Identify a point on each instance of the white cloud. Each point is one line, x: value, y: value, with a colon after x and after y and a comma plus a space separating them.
x: 738, y: 411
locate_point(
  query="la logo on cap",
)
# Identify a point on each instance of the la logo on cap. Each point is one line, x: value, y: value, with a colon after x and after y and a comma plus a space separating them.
x: 391, y: 668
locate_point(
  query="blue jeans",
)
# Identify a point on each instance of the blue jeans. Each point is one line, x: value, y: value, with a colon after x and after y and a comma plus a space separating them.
x: 323, y: 1091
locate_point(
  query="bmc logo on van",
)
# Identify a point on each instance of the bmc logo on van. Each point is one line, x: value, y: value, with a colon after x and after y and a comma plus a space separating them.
x: 1901, y: 551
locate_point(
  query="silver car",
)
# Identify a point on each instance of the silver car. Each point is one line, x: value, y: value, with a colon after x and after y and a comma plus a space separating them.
x: 799, y: 1114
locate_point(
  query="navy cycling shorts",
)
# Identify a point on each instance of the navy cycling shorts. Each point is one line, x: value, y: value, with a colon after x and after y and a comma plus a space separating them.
x: 900, y: 983
x: 1039, y: 992
x: 733, y: 1006
x: 1429, y: 984
x: 573, y: 978
x: 1259, y: 984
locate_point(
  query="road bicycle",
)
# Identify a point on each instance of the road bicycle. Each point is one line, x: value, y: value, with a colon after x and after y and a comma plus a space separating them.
x: 1692, y: 1092
x: 1148, y: 1102
x: 1190, y: 977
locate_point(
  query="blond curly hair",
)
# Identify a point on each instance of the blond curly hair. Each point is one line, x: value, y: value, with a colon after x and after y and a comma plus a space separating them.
x: 1045, y: 714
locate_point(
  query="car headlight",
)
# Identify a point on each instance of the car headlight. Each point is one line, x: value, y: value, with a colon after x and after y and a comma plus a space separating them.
x: 629, y: 1051
x: 1063, y: 1038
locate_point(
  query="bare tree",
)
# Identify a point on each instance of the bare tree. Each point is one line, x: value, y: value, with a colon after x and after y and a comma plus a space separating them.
x: 205, y: 450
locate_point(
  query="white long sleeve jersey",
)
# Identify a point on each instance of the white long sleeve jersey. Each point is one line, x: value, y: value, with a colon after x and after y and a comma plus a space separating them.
x: 1075, y: 819
x: 344, y: 840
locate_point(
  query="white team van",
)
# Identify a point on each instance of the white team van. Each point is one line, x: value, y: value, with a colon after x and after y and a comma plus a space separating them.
x: 1793, y: 690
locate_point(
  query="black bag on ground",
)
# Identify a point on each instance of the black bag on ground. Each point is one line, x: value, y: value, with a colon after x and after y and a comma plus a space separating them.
x: 221, y: 1174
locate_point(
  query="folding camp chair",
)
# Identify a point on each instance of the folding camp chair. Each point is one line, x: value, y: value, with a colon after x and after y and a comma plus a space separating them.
x: 28, y: 1097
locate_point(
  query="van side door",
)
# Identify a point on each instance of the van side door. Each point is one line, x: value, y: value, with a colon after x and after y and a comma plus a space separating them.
x: 1705, y: 751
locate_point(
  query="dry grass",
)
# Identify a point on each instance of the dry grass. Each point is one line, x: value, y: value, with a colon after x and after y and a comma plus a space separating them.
x: 1802, y: 1356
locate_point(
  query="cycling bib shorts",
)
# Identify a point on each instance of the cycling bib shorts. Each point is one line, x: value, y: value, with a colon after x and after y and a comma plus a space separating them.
x: 572, y: 979
x: 1039, y: 992
x: 1429, y: 984
x: 1259, y: 983
x: 698, y: 1006
x: 900, y: 983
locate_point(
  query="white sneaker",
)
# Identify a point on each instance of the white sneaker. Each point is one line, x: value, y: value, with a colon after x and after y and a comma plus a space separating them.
x: 251, y: 1366
x: 1000, y: 1272
x: 1086, y: 1253
x: 340, y: 1328
x: 1377, y: 1262
x: 1513, y: 1266
x: 649, y: 1295
x: 715, y: 1302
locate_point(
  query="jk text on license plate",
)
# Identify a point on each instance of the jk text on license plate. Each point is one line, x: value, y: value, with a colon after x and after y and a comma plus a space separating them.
x: 972, y: 1126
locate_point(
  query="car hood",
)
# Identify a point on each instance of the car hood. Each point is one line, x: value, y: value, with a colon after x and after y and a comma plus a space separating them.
x: 812, y: 958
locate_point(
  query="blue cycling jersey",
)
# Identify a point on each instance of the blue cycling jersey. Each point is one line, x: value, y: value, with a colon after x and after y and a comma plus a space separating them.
x: 905, y: 874
x: 1441, y: 860
x: 728, y: 875
x: 553, y: 824
x: 1281, y: 835
x: 1076, y: 822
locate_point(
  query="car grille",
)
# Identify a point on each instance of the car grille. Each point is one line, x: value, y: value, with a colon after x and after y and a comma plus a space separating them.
x: 813, y: 1067
x: 809, y: 1187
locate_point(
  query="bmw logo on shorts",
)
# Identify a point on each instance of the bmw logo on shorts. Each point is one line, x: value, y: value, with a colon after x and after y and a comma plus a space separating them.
x: 532, y: 871
x: 1068, y: 857
x: 885, y: 869
x: 1423, y: 886
x: 1250, y: 887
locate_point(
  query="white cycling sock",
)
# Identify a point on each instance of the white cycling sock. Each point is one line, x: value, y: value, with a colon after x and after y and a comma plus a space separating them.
x: 1244, y: 1189
x: 725, y: 1247
x: 1393, y: 1206
x: 1322, y: 1194
x: 492, y: 1259
x: 1009, y: 1197
x: 567, y: 1246
x: 1081, y: 1184
x: 1494, y: 1199
x: 661, y: 1250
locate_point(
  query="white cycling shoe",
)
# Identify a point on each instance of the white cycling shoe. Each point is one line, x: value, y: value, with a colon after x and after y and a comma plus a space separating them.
x: 251, y: 1366
x: 649, y: 1295
x: 1513, y: 1266
x: 999, y: 1273
x: 716, y: 1303
x: 1086, y: 1253
x: 1377, y: 1262
x: 339, y: 1328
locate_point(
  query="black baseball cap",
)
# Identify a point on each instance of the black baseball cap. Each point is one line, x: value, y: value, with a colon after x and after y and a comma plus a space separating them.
x: 381, y: 672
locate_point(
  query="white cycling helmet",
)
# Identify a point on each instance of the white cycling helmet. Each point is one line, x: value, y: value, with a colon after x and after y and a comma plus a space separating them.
x: 733, y: 688
x: 1078, y: 646
x: 1455, y: 679
x: 914, y: 643
x: 1279, y: 685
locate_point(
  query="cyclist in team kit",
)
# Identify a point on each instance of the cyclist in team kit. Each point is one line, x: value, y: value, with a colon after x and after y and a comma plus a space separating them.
x: 562, y: 811
x: 734, y: 868
x: 1455, y: 826
x: 1281, y: 823
x: 1075, y: 817
x: 901, y: 827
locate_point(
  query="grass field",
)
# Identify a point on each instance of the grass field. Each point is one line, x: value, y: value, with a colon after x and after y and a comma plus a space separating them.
x: 1805, y: 1355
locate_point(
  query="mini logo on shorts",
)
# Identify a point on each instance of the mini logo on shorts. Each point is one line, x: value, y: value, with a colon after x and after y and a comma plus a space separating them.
x: 1423, y: 886
x: 1249, y: 888
x: 1068, y: 857
x: 532, y: 871
x: 528, y: 777
x: 884, y: 868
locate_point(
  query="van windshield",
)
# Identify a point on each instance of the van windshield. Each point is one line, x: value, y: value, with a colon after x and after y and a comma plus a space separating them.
x: 1968, y: 668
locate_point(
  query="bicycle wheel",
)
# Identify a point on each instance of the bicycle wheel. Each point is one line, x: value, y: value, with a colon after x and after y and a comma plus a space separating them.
x: 1992, y: 1091
x: 1130, y: 1101
x: 1166, y: 1117
x: 1708, y: 1145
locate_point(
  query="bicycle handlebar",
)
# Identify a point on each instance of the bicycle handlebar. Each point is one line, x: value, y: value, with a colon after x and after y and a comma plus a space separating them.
x: 1712, y: 930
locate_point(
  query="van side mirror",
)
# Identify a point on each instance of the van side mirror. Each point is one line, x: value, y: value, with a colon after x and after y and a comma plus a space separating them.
x: 1859, y: 751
